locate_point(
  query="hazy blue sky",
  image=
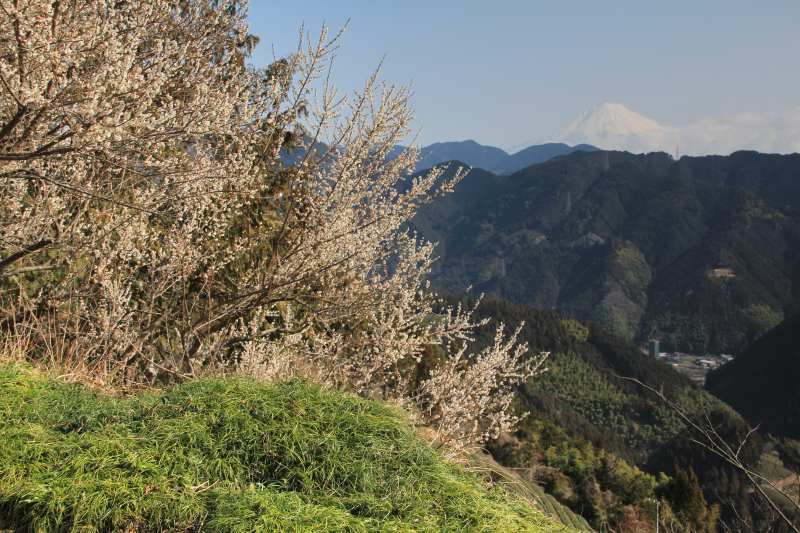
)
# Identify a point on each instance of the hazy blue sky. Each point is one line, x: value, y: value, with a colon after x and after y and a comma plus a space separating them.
x: 510, y: 73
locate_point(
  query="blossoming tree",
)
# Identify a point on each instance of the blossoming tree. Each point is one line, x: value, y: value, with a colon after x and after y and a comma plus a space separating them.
x: 152, y: 226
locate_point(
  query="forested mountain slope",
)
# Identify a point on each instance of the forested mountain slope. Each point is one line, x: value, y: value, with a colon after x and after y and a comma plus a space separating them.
x: 703, y: 253
x: 603, y: 445
x: 763, y: 383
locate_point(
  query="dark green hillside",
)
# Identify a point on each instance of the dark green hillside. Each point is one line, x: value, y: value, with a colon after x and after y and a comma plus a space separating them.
x: 763, y: 383
x: 602, y: 444
x: 703, y: 253
x: 584, y: 383
x: 231, y: 455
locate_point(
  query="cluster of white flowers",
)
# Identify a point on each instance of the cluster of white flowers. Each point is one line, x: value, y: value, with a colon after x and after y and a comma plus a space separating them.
x: 470, y: 398
x: 147, y: 216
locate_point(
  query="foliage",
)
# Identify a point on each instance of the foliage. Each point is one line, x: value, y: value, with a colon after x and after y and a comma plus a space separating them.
x: 151, y: 231
x: 230, y: 455
x: 576, y: 330
x: 589, y: 480
x: 763, y: 317
x: 584, y: 381
x: 684, y: 490
x: 582, y: 411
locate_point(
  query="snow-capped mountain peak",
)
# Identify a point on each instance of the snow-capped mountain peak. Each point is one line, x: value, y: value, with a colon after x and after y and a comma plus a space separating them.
x: 611, y: 118
x: 613, y: 126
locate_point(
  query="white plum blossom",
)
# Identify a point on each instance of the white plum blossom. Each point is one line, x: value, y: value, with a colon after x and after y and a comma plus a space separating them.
x: 150, y: 229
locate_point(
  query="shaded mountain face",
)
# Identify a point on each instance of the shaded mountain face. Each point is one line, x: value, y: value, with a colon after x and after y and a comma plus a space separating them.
x: 703, y: 253
x: 763, y: 383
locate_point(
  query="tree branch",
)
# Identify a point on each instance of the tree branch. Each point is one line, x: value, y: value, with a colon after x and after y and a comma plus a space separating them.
x: 11, y: 124
x: 31, y: 248
x: 715, y: 444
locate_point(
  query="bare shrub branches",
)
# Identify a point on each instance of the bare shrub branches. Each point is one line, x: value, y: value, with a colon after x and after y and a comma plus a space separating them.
x: 709, y: 438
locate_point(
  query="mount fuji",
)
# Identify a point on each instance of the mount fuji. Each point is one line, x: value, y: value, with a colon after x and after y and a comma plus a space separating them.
x: 612, y: 126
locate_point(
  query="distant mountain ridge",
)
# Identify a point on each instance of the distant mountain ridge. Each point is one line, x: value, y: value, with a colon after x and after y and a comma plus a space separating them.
x: 493, y: 159
x: 614, y: 126
x: 470, y: 153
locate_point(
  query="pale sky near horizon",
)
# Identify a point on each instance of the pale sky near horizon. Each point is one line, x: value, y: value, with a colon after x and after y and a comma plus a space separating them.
x: 512, y: 73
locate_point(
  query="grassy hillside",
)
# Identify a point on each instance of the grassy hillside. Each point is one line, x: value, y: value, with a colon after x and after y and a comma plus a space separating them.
x: 230, y: 455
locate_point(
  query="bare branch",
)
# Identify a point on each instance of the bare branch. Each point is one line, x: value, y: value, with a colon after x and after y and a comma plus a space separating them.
x: 715, y: 444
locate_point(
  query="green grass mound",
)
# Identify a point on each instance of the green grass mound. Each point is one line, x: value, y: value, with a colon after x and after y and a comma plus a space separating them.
x: 230, y: 455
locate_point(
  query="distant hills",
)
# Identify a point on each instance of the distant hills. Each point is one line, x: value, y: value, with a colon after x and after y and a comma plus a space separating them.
x: 491, y: 158
x: 703, y: 253
x: 469, y: 153
x: 614, y: 126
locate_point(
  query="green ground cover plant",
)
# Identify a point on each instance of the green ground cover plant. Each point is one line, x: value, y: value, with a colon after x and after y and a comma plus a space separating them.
x: 230, y: 454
